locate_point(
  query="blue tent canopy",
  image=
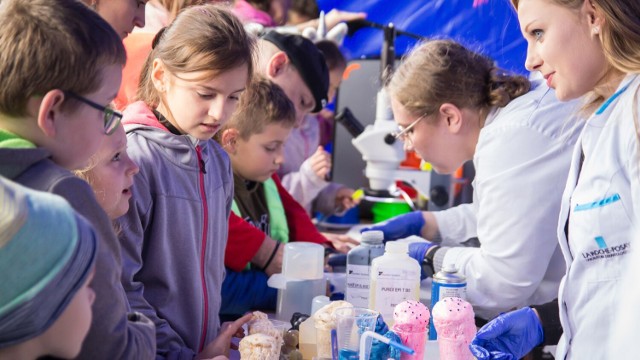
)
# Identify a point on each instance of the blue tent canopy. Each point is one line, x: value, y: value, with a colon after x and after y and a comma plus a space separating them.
x: 491, y: 29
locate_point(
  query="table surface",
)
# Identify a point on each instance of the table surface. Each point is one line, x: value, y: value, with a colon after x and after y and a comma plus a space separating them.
x: 432, y: 352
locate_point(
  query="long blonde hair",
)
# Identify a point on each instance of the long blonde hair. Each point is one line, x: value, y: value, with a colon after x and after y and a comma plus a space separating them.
x: 443, y: 71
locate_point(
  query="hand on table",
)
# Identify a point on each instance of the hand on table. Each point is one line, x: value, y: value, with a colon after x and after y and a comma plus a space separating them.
x: 342, y: 243
x: 509, y: 336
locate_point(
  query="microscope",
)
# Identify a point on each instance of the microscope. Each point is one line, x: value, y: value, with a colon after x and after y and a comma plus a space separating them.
x: 381, y: 151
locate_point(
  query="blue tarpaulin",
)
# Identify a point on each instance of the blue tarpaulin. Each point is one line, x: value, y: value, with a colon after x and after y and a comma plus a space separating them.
x: 491, y: 28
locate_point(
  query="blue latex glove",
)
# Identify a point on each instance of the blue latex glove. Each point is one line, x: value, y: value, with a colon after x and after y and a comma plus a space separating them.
x: 509, y: 336
x: 401, y: 226
x: 418, y: 250
x: 381, y: 326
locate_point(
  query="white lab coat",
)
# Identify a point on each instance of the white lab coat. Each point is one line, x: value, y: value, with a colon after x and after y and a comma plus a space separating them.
x: 627, y: 318
x: 600, y: 204
x: 522, y: 160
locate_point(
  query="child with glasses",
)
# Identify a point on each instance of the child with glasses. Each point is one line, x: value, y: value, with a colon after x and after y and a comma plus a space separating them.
x: 175, y: 232
x: 48, y: 129
x: 455, y: 105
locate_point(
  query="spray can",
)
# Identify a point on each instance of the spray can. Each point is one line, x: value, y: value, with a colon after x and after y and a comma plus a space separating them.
x: 446, y: 283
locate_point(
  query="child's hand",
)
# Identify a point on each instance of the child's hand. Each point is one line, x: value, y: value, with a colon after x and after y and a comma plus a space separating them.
x: 219, y: 348
x: 320, y: 163
x: 344, y: 199
x: 342, y: 243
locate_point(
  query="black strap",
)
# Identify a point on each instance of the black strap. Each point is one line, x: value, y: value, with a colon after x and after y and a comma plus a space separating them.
x: 163, y: 120
x: 273, y: 255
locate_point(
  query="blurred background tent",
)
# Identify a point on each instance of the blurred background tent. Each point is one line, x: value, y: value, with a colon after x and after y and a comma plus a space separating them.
x: 490, y: 27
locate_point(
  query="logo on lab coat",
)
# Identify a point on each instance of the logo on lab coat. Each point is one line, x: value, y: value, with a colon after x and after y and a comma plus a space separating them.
x: 604, y: 251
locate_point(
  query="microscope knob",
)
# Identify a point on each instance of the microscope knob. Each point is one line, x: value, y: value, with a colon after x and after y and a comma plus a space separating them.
x: 389, y: 139
x: 439, y: 195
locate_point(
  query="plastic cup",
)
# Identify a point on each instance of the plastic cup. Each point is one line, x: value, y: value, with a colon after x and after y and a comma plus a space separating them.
x: 415, y: 339
x: 350, y: 324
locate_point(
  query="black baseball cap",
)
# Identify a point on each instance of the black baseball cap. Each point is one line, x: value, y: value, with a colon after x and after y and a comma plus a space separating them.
x: 309, y: 62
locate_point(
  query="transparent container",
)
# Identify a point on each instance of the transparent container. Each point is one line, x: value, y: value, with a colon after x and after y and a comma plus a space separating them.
x: 301, y: 280
x: 351, y: 323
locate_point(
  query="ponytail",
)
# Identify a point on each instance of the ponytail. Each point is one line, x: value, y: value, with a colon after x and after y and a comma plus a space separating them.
x: 503, y: 87
x: 443, y: 71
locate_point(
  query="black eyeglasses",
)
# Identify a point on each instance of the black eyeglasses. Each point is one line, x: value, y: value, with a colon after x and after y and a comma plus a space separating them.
x: 112, y: 117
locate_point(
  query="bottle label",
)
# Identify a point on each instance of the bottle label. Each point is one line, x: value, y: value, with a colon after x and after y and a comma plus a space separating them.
x: 358, y: 285
x: 394, y: 286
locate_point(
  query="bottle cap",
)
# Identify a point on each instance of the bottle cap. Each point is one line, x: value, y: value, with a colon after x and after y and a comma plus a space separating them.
x: 372, y: 237
x: 450, y: 268
x: 396, y: 247
x: 303, y: 261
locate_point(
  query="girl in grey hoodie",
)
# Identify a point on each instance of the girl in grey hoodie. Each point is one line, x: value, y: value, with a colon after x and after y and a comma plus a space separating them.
x: 175, y: 231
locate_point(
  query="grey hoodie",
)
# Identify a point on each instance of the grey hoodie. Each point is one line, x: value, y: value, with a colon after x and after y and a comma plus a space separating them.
x: 175, y: 232
x: 112, y: 335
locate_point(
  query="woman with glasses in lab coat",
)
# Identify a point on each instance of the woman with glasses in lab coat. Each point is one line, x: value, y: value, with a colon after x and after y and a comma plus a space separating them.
x: 453, y: 105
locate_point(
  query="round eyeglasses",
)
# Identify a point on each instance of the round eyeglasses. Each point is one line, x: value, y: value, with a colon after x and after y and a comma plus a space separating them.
x: 112, y: 118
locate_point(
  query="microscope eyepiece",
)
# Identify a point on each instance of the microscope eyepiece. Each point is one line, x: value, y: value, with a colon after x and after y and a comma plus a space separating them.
x: 389, y: 139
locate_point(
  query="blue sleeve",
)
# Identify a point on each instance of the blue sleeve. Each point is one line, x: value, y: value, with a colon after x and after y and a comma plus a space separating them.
x: 246, y: 290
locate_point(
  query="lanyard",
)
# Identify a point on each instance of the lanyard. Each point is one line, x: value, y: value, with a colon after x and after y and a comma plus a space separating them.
x: 606, y: 104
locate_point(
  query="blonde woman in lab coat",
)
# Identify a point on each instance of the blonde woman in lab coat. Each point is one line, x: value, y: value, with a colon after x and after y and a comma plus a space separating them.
x: 453, y: 105
x: 586, y: 46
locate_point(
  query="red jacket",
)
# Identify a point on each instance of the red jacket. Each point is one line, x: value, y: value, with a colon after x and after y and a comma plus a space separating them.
x: 245, y: 239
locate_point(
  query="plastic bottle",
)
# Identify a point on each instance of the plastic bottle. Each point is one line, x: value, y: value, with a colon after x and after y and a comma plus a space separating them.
x: 395, y: 277
x: 307, y: 339
x: 358, y: 266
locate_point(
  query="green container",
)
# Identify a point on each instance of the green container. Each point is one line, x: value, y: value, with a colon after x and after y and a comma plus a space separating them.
x: 386, y: 210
